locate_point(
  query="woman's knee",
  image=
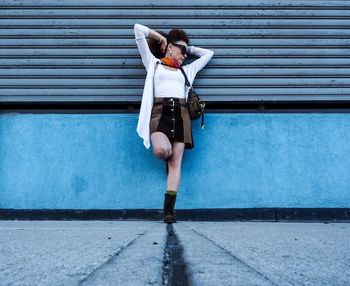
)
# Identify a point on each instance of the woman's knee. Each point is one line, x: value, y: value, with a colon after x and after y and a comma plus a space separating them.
x: 174, y: 164
x: 163, y: 149
x: 176, y: 158
x: 161, y: 145
x: 162, y: 152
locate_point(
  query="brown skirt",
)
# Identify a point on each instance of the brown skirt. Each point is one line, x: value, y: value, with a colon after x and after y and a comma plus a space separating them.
x: 170, y: 116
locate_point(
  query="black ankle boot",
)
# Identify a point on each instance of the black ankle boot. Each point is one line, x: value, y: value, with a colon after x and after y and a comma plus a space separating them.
x: 169, y: 203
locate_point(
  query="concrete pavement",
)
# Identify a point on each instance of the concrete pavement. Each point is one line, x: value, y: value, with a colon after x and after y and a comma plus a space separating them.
x: 259, y: 253
x: 188, y: 253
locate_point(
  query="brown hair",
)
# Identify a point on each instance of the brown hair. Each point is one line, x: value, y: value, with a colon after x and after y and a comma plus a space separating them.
x: 173, y: 36
x: 176, y: 35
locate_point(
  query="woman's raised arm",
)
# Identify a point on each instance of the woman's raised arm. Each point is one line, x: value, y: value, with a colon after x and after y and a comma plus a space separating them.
x: 141, y: 33
x: 204, y: 57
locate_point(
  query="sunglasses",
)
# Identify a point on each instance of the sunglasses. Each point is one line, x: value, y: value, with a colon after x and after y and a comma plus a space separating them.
x: 182, y: 47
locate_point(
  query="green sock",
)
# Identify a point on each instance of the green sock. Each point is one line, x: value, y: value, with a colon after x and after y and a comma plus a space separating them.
x: 171, y: 193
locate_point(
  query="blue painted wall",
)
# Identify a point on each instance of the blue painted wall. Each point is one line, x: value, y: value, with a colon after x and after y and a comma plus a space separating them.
x: 97, y: 161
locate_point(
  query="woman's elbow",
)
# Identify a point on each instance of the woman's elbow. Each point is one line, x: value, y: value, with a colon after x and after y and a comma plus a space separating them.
x: 139, y: 34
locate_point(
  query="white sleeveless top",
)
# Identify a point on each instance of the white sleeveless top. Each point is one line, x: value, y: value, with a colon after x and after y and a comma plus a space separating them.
x: 169, y: 83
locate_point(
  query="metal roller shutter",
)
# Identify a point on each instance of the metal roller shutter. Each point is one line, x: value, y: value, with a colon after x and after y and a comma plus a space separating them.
x: 84, y: 51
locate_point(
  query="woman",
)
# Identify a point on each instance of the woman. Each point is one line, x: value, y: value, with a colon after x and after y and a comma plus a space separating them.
x: 164, y: 119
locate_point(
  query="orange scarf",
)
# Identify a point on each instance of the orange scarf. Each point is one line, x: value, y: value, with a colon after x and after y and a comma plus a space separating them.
x: 170, y: 62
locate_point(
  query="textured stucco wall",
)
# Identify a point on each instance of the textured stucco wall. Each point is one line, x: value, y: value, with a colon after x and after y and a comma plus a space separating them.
x: 245, y: 160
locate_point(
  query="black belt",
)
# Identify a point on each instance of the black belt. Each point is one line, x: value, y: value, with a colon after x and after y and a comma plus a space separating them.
x: 170, y: 101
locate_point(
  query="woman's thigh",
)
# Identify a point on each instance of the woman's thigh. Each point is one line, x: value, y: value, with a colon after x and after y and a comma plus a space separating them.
x: 161, y: 144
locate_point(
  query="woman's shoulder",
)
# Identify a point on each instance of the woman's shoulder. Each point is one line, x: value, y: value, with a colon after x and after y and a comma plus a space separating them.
x: 186, y: 67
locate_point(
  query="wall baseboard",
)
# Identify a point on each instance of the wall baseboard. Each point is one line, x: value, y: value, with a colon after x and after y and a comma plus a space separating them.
x: 247, y: 214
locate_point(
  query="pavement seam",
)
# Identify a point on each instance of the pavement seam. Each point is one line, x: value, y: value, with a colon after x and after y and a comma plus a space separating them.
x: 52, y: 250
x: 233, y: 256
x: 174, y: 265
x: 85, y: 279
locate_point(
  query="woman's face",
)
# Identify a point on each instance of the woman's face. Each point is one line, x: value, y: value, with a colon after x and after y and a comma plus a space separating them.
x: 179, y: 51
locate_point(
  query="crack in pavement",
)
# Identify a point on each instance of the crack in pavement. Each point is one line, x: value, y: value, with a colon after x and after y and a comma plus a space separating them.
x: 252, y: 269
x: 174, y: 266
x: 94, y: 271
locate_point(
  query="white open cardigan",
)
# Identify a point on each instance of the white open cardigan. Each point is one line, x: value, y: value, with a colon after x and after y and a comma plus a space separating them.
x: 149, y: 61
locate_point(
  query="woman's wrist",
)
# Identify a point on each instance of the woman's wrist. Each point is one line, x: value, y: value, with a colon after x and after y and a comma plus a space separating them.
x: 156, y: 36
x: 161, y: 39
x: 190, y: 50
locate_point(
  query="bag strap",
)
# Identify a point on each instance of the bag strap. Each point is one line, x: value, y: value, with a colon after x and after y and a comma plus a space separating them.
x: 186, y: 79
x: 155, y: 69
x: 191, y: 88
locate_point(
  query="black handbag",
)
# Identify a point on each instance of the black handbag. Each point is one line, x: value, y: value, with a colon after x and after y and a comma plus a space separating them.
x: 195, y: 104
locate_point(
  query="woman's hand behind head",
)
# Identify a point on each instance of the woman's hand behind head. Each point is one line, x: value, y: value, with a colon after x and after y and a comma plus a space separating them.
x: 163, y: 45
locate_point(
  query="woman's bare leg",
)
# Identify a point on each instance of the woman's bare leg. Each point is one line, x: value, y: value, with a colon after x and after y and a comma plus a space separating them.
x: 161, y: 145
x: 163, y: 149
x: 174, y: 165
